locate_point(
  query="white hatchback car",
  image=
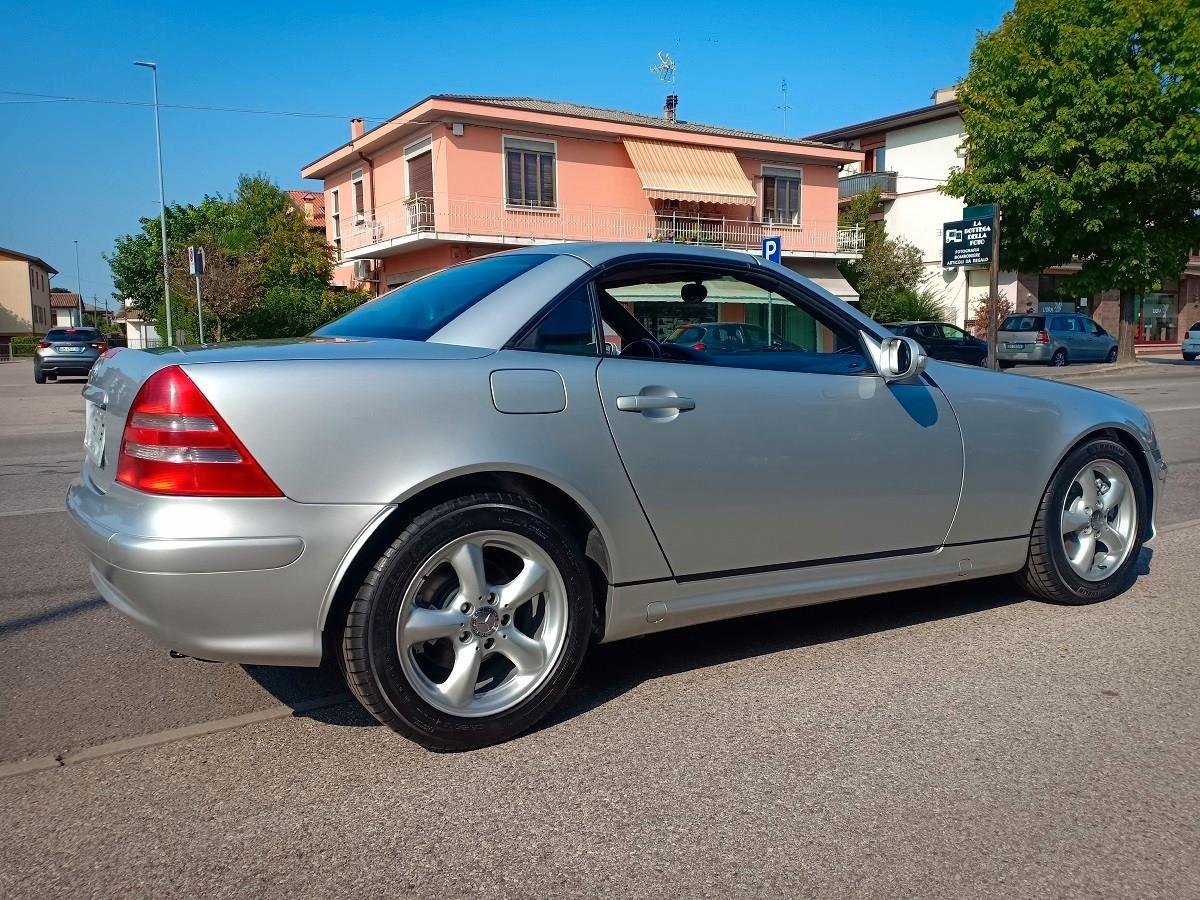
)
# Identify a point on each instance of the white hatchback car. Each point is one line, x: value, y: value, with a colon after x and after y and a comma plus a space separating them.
x: 1191, y: 343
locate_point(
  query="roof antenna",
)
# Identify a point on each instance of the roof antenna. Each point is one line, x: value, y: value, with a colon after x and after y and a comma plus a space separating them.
x: 665, y: 70
x: 784, y: 106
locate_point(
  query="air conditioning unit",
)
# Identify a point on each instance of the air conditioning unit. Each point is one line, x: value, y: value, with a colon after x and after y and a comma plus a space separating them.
x: 362, y: 269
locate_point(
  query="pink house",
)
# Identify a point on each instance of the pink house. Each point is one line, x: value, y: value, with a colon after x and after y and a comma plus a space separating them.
x: 456, y: 176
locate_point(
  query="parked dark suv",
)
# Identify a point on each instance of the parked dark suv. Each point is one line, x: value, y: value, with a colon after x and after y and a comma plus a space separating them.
x: 67, y: 351
x: 943, y: 341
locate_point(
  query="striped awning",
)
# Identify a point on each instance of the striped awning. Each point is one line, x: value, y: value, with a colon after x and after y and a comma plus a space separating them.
x: 688, y: 172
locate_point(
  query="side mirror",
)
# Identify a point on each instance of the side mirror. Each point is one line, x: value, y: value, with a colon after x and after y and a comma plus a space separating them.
x: 900, y: 358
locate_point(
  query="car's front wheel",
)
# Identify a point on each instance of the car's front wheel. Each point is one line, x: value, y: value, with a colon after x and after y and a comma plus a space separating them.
x: 472, y: 624
x: 1112, y: 355
x: 1088, y: 531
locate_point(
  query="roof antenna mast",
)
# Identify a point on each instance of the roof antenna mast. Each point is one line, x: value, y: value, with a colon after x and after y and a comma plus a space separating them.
x: 784, y: 106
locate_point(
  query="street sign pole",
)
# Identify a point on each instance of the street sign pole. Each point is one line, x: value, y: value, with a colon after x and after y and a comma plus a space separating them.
x: 993, y: 304
x: 772, y: 251
x: 196, y: 267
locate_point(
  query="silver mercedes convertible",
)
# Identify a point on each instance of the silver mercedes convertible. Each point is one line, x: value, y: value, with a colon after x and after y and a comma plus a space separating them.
x: 455, y: 489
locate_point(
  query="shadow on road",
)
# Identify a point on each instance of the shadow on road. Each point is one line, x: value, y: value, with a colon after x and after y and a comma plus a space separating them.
x: 610, y: 670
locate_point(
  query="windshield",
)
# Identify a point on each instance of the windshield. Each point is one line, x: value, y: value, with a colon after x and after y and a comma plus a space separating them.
x: 418, y: 310
x: 1023, y: 323
x: 72, y: 334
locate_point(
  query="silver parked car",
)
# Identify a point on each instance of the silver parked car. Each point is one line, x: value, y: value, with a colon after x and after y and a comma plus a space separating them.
x: 1056, y: 339
x: 454, y: 489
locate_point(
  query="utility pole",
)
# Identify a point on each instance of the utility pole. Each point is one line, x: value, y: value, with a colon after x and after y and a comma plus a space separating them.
x: 162, y: 199
x: 993, y: 304
x: 78, y: 284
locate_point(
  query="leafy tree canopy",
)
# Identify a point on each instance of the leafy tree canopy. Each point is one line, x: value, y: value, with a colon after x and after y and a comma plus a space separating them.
x: 267, y: 274
x: 1083, y: 123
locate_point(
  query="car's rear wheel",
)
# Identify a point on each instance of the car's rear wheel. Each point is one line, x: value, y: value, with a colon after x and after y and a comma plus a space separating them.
x: 1189, y: 357
x: 472, y: 624
x: 1088, y: 531
x: 1059, y: 358
x: 39, y: 377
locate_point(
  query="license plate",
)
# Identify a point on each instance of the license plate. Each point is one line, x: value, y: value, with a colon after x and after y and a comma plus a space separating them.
x: 71, y: 349
x: 1012, y: 346
x: 93, y: 433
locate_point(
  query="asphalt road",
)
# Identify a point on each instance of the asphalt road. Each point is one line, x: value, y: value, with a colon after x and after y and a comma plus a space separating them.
x: 962, y: 741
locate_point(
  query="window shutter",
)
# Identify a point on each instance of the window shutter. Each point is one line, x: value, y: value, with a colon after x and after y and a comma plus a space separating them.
x: 547, y: 164
x: 768, y: 196
x: 530, y: 164
x: 420, y: 175
x: 515, y: 194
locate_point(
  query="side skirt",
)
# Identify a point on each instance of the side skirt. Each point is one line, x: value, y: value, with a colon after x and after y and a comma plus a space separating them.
x: 646, y: 607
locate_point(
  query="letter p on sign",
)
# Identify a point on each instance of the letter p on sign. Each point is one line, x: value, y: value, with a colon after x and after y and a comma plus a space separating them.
x: 771, y: 249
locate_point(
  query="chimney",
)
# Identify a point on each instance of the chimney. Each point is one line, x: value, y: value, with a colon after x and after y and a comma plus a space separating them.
x: 356, y: 128
x: 943, y: 94
x: 670, y: 106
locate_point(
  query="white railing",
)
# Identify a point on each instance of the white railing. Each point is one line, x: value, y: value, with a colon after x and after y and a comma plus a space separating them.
x: 475, y: 217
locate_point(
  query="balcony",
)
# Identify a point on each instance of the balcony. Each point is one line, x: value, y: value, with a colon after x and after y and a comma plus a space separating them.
x: 851, y: 186
x: 420, y: 221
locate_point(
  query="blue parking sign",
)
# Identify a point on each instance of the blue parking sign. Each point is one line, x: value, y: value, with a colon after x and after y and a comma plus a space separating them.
x: 772, y: 249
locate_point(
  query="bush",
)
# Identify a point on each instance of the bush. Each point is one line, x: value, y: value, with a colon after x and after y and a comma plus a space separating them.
x: 24, y: 344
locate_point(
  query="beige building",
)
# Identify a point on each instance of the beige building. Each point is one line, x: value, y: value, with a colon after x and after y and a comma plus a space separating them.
x: 24, y: 294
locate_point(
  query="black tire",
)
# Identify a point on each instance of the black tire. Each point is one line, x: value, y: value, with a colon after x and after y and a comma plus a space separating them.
x: 371, y: 660
x: 1005, y: 364
x: 39, y: 377
x: 1059, y: 358
x: 1189, y: 357
x: 1047, y: 573
x: 1112, y: 356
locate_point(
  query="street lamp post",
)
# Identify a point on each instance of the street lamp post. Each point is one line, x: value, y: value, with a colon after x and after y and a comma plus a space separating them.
x: 79, y: 284
x: 162, y: 199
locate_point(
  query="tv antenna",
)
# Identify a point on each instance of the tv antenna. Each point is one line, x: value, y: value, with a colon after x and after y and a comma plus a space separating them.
x: 665, y: 70
x: 784, y: 106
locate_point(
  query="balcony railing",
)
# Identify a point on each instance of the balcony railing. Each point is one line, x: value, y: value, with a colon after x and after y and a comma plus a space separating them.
x: 853, y: 185
x: 467, y: 217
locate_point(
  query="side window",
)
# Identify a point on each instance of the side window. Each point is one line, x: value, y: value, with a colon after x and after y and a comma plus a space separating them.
x: 1095, y: 328
x: 569, y: 328
x: 747, y: 324
x: 954, y: 334
x: 1057, y: 324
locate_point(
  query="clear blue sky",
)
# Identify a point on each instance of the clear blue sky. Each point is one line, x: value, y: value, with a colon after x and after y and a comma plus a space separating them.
x: 76, y: 171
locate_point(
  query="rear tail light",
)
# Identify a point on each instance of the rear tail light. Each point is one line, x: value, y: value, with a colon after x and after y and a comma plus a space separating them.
x: 699, y: 346
x: 100, y: 347
x: 176, y: 443
x: 42, y: 345
x: 1043, y: 337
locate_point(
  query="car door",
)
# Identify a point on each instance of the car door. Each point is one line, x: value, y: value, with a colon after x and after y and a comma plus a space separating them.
x: 745, y: 468
x: 958, y: 346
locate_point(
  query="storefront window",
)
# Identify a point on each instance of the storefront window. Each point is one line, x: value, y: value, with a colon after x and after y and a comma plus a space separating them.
x: 1157, y: 317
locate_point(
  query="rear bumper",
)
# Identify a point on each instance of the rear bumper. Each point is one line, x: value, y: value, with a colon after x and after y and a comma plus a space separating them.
x: 245, y: 581
x: 66, y: 365
x: 1032, y: 353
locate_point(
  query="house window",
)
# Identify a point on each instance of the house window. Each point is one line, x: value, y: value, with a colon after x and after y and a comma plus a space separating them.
x: 879, y: 159
x: 335, y: 217
x: 781, y: 195
x: 360, y: 197
x: 529, y: 173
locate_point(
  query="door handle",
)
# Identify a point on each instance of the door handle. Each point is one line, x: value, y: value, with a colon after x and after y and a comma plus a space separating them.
x: 646, y: 402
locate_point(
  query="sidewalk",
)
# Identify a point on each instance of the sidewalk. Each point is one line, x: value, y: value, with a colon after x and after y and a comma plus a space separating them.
x: 1160, y: 365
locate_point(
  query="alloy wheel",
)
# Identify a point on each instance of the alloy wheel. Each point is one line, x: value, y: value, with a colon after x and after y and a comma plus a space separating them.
x: 482, y: 624
x: 1099, y: 520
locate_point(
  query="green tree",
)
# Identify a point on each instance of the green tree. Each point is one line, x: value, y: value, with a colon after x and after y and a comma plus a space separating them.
x: 1083, y: 122
x: 267, y: 274
x: 890, y: 278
